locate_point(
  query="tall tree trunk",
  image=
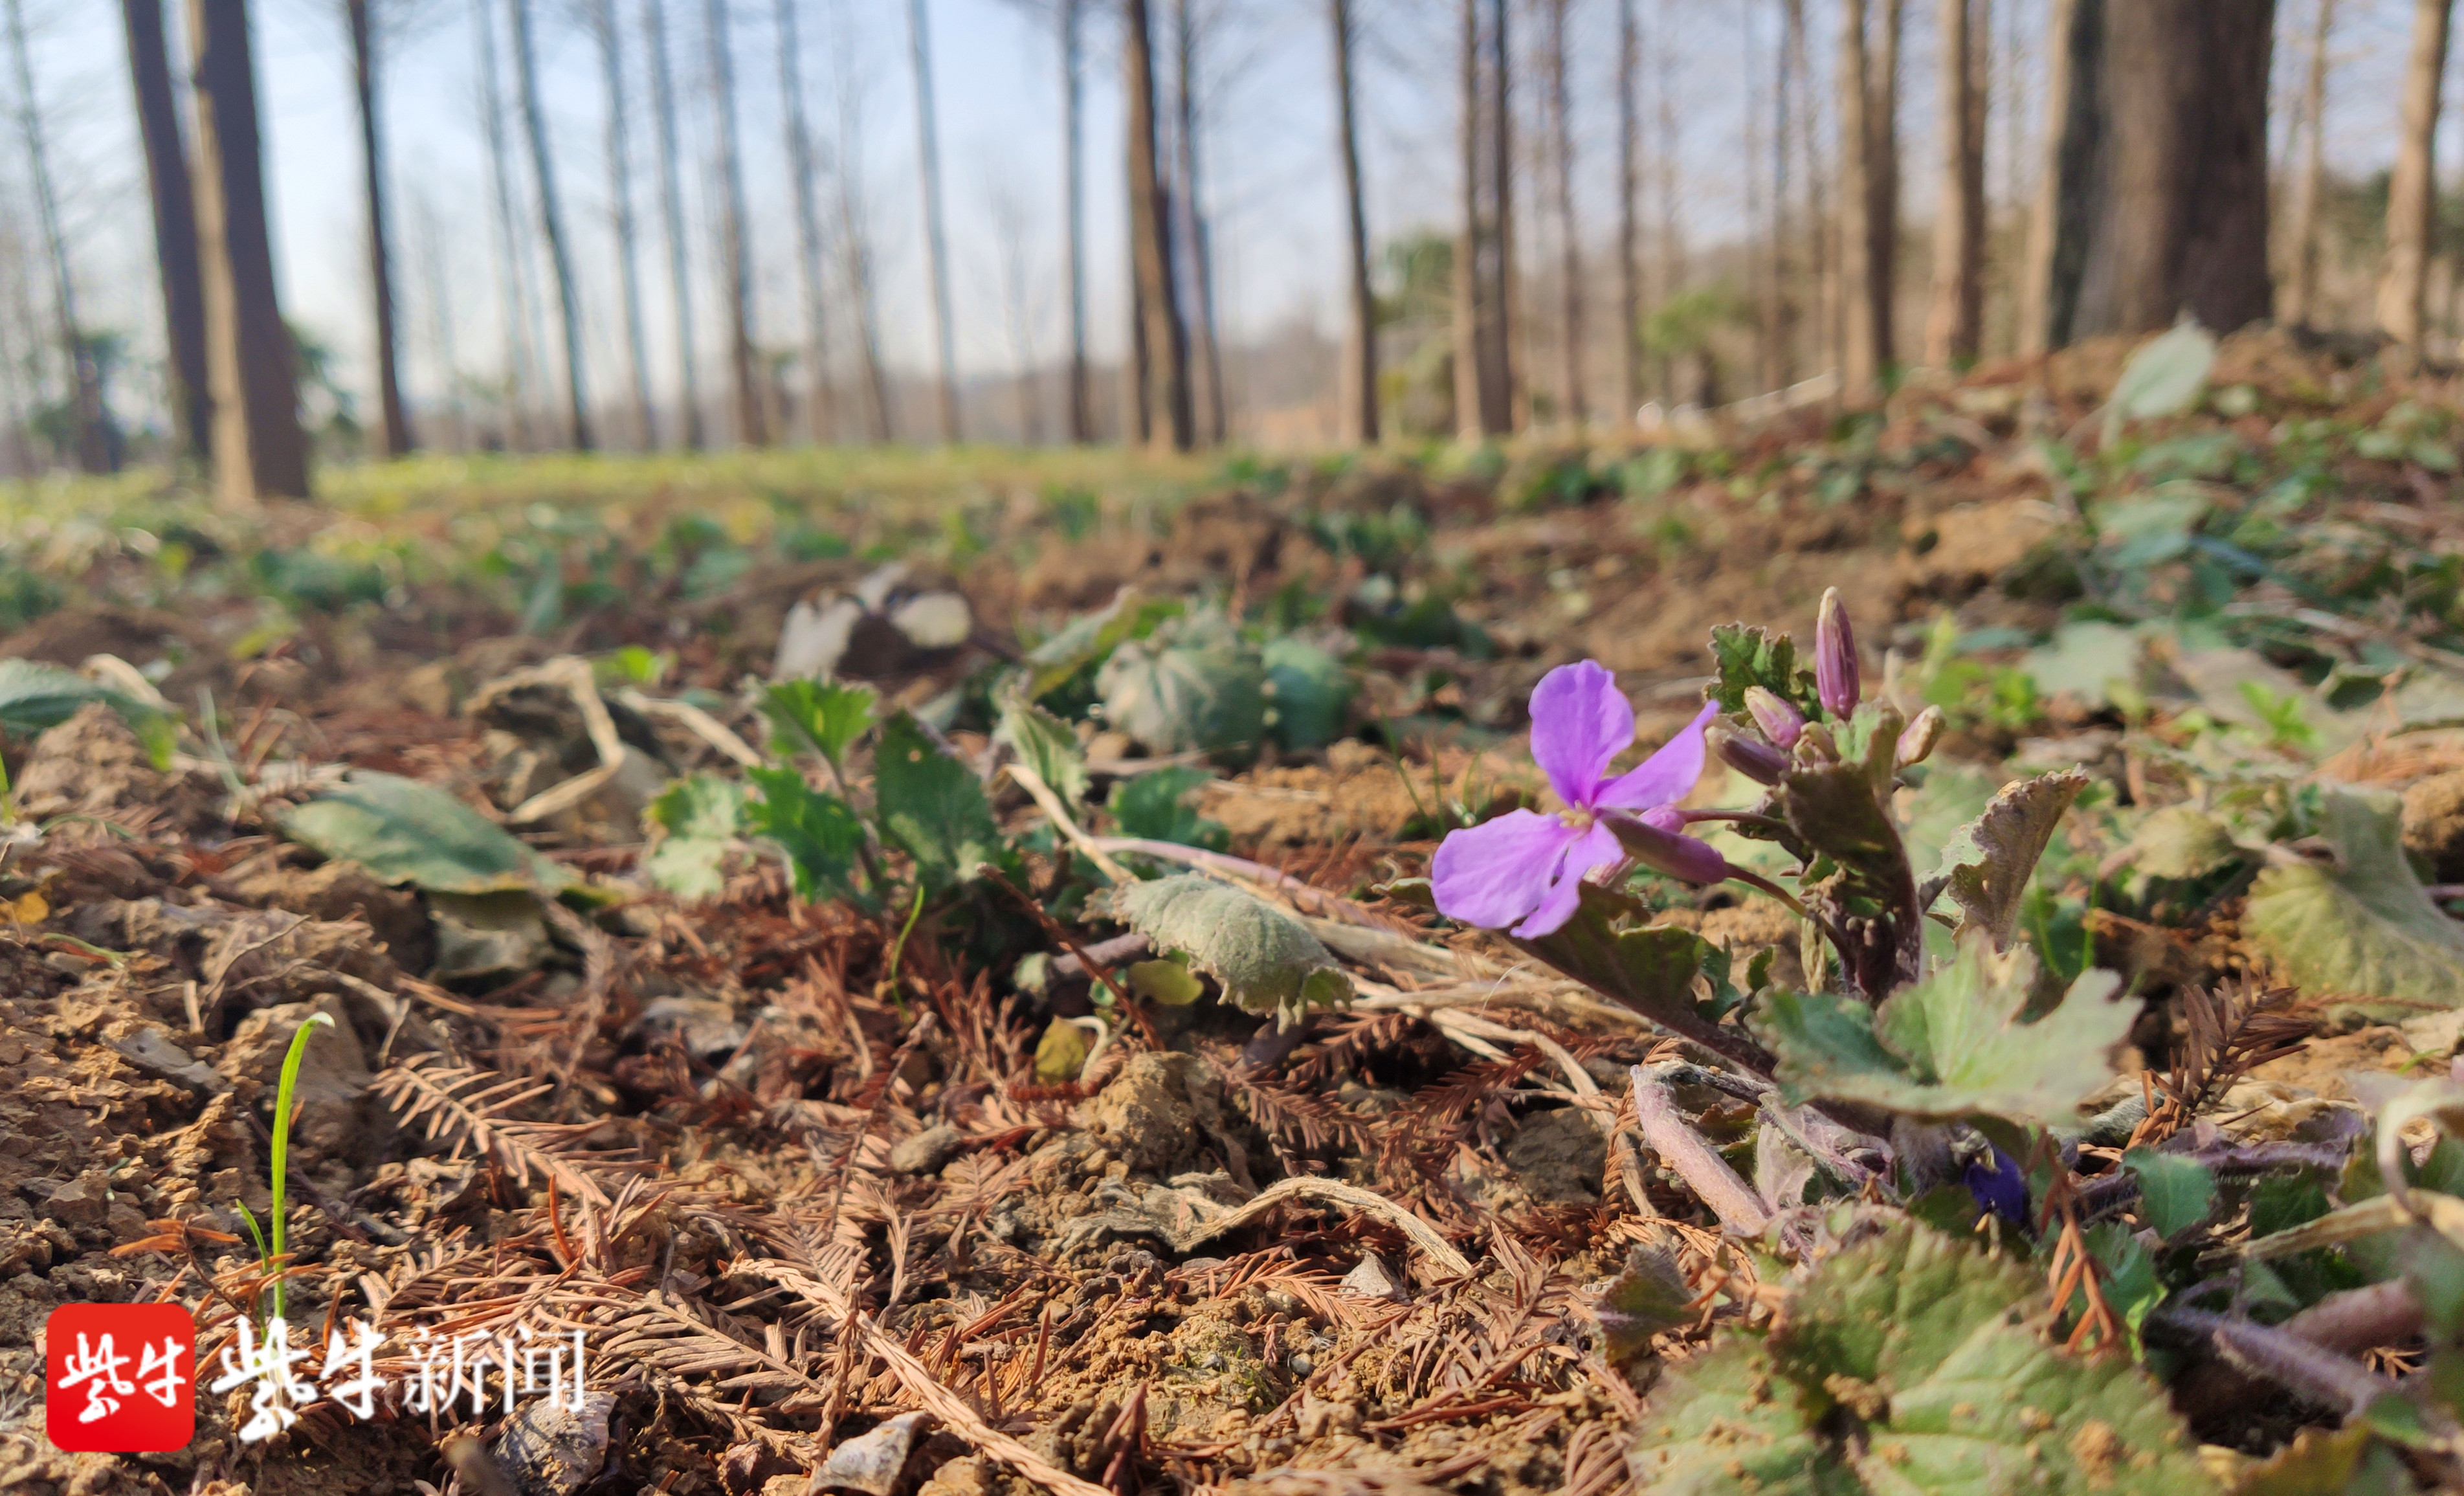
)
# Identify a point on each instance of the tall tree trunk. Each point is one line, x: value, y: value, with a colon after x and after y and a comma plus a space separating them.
x: 752, y: 413
x: 1359, y: 384
x: 1165, y: 396
x: 259, y: 451
x: 1761, y: 245
x: 855, y: 234
x: 820, y: 419
x: 2072, y: 154
x: 1197, y: 235
x: 1569, y: 249
x: 1821, y: 269
x: 1513, y: 330
x: 1863, y: 343
x: 2404, y: 279
x: 1779, y: 296
x: 1629, y: 239
x: 1882, y: 140
x: 438, y: 284
x: 936, y: 245
x: 175, y: 225
x: 393, y: 425
x: 1672, y: 231
x: 1469, y: 346
x: 93, y: 438
x: 552, y: 223
x: 1483, y: 361
x: 672, y: 213
x: 1073, y: 228
x: 1955, y: 319
x: 2301, y: 295
x: 620, y: 192
x: 512, y: 285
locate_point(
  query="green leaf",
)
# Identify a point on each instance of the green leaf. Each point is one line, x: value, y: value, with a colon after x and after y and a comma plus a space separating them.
x: 1046, y: 744
x: 1310, y: 692
x: 1090, y: 637
x: 37, y: 696
x: 403, y: 831
x: 1744, y: 655
x: 1650, y: 969
x: 1061, y: 1053
x: 1155, y: 807
x: 821, y: 836
x: 932, y: 805
x: 696, y: 819
x: 1648, y: 1296
x: 1165, y: 981
x: 822, y: 716
x: 2090, y: 661
x: 2362, y: 929
x: 1988, y: 863
x: 1952, y: 1046
x: 1724, y: 1424
x: 1267, y: 962
x: 2163, y: 378
x: 2131, y: 1286
x: 2182, y: 841
x: 2174, y: 1193
x: 1197, y: 688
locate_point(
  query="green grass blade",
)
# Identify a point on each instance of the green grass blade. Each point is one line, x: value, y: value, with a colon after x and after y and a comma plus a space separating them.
x: 283, y: 1114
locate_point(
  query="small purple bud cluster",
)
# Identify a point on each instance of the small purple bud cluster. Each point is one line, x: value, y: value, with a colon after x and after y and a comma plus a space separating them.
x: 1784, y: 733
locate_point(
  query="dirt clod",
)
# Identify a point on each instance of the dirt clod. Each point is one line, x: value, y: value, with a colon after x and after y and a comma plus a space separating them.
x: 2433, y: 824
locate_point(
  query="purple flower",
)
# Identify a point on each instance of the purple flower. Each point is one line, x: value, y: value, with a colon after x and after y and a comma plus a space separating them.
x: 1835, y: 657
x: 1525, y: 870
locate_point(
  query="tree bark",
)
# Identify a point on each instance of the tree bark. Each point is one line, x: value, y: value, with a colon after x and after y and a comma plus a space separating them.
x: 672, y: 213
x: 94, y: 446
x: 552, y: 224
x: 1955, y: 319
x: 1073, y: 228
x: 1484, y: 367
x: 751, y: 412
x: 1629, y: 245
x: 2309, y: 182
x: 1883, y: 140
x: 821, y: 415
x: 1761, y: 245
x: 2074, y: 132
x: 2404, y: 278
x: 1863, y: 343
x: 1164, y: 395
x: 512, y: 284
x: 259, y: 451
x: 175, y: 225
x: 620, y: 186
x: 1779, y: 299
x: 1672, y: 229
x: 393, y: 425
x: 936, y: 247
x: 1206, y: 359
x: 1511, y: 328
x: 1359, y: 384
x: 1570, y: 251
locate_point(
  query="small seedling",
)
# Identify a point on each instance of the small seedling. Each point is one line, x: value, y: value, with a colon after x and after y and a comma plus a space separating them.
x: 271, y: 1252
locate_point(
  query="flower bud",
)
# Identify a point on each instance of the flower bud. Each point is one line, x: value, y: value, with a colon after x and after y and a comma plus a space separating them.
x: 1779, y: 721
x: 1652, y: 839
x: 1916, y: 742
x: 1750, y: 756
x: 1835, y: 658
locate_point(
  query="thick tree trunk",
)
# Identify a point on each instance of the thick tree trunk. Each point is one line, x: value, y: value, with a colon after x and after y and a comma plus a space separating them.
x: 1359, y: 384
x: 2072, y: 153
x: 1197, y: 237
x: 820, y: 414
x: 751, y: 412
x: 175, y: 225
x: 1628, y: 242
x: 1570, y: 349
x: 1955, y: 319
x: 1864, y: 342
x: 94, y: 445
x: 259, y: 451
x: 672, y: 213
x: 1164, y: 392
x: 393, y: 425
x: 620, y: 189
x: 2300, y: 294
x: 1882, y: 138
x: 1511, y: 327
x: 2404, y: 279
x: 1484, y: 368
x: 552, y: 224
x: 936, y: 245
x: 1073, y: 228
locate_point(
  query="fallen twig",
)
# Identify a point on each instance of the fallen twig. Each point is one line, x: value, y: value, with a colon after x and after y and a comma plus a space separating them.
x: 1739, y: 1209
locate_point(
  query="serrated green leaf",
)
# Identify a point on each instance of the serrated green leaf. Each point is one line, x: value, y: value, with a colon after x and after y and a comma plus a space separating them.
x: 1988, y: 863
x: 37, y: 696
x: 2131, y: 1286
x: 1648, y: 1295
x: 1155, y: 807
x: 1310, y: 692
x: 2363, y: 931
x: 934, y: 807
x: 820, y: 834
x: 1191, y: 686
x: 1724, y: 1424
x: 1650, y: 969
x: 1265, y: 961
x: 694, y: 822
x: 1046, y: 744
x: 2182, y: 841
x: 822, y: 716
x: 403, y: 831
x: 2175, y: 1193
x: 1744, y: 655
x: 1953, y: 1046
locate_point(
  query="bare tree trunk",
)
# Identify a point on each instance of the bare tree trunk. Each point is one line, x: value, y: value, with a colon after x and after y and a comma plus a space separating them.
x: 1206, y: 363
x: 1955, y: 319
x: 394, y: 428
x: 2309, y: 184
x: 1822, y: 266
x: 1483, y: 267
x: 821, y: 418
x: 1629, y: 245
x: 1569, y: 351
x: 1165, y: 396
x: 2072, y: 148
x: 1470, y: 348
x: 620, y: 186
x: 1761, y: 247
x: 175, y: 225
x: 1359, y: 391
x: 855, y: 238
x: 672, y: 213
x: 512, y: 285
x: 1672, y: 232
x: 1862, y: 340
x: 2404, y: 279
x: 259, y: 451
x: 751, y: 412
x: 1779, y: 297
x: 1512, y: 328
x: 1073, y: 229
x: 438, y: 284
x: 552, y: 224
x: 936, y: 247
x: 93, y: 437
x: 1883, y: 140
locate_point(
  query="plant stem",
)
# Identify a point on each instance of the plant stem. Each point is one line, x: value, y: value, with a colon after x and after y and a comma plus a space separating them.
x: 1756, y: 881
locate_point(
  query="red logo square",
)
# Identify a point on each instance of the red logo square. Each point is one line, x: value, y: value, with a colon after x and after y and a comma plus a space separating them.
x: 120, y: 1379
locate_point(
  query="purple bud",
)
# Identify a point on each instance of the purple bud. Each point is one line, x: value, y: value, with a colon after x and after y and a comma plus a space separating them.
x: 2000, y: 1188
x: 1652, y: 839
x: 1779, y: 721
x: 1750, y: 756
x: 1916, y: 744
x: 1835, y: 658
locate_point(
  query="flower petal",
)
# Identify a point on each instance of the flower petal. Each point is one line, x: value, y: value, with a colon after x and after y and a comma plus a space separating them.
x: 1494, y: 873
x: 1579, y: 721
x: 1667, y: 775
x: 1597, y: 848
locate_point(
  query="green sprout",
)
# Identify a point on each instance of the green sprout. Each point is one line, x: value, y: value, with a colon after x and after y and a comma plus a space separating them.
x: 271, y: 1253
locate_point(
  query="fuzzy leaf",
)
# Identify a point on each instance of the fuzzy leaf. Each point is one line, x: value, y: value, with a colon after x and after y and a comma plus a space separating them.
x: 1046, y: 744
x: 1196, y: 689
x: 2182, y: 841
x: 403, y: 831
x: 816, y: 829
x: 1155, y: 807
x: 2364, y: 930
x: 1744, y: 655
x: 932, y: 805
x: 1650, y: 970
x: 1309, y: 690
x: 820, y: 714
x: 1986, y: 867
x: 1267, y: 961
x: 1952, y: 1046
x: 696, y: 818
x: 1724, y: 1424
x: 2174, y: 1193
x: 35, y: 696
x: 1864, y: 882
